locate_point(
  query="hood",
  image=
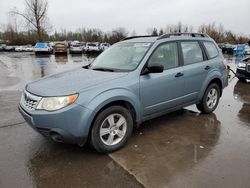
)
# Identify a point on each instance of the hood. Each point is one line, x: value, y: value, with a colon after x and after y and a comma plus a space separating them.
x: 70, y: 82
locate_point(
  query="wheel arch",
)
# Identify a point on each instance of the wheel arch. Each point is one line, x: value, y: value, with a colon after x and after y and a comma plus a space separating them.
x: 215, y: 79
x: 218, y: 82
x: 124, y: 103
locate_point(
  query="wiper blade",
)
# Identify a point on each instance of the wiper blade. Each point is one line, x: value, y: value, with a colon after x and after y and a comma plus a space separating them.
x: 103, y: 69
x: 86, y: 66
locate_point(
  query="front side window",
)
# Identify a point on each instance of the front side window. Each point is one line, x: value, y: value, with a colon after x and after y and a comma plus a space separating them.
x: 192, y: 52
x: 122, y: 57
x: 211, y: 49
x: 165, y: 54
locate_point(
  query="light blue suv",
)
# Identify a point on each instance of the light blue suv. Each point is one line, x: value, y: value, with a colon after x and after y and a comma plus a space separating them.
x: 135, y: 80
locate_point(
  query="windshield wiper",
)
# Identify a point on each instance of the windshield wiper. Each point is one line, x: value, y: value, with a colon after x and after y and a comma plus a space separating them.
x: 86, y: 66
x: 103, y: 69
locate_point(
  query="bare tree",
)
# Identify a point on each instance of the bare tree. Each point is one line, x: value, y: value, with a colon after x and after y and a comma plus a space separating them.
x: 35, y: 15
x: 178, y: 28
x: 117, y: 34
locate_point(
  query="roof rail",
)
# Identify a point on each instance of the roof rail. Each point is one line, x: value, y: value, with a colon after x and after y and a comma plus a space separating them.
x: 133, y: 37
x: 183, y: 34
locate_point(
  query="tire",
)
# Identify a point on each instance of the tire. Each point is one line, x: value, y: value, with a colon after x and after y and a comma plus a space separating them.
x: 210, y: 99
x: 106, y: 134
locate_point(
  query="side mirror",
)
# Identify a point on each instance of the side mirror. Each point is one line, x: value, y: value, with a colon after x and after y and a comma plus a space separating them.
x: 153, y: 68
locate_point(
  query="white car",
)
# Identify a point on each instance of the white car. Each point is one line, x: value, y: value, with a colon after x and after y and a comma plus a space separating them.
x: 29, y: 49
x: 75, y: 48
x: 92, y: 47
x: 19, y: 49
x: 104, y: 46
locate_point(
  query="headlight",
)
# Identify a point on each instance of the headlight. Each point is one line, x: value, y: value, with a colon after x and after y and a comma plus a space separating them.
x: 56, y: 103
x: 241, y: 65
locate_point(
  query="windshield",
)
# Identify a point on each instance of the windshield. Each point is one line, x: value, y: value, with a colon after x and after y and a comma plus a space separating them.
x: 123, y: 56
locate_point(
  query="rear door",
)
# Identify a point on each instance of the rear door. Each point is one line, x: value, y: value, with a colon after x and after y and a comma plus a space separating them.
x: 196, y: 68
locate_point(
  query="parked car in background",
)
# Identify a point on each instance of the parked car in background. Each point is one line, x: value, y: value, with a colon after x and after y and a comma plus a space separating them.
x: 29, y: 48
x: 2, y: 47
x: 42, y: 47
x: 9, y: 48
x: 221, y: 45
x: 19, y: 49
x: 239, y: 50
x: 51, y: 44
x: 60, y: 48
x: 92, y: 47
x: 75, y: 49
x: 137, y: 79
x: 243, y: 69
x: 227, y: 48
x: 24, y: 48
x: 247, y: 50
x: 104, y: 46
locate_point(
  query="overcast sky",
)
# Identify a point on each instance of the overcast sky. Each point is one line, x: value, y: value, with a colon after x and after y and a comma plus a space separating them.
x: 139, y: 15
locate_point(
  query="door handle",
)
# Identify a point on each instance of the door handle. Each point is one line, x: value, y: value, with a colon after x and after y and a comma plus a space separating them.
x: 179, y: 74
x: 207, y: 67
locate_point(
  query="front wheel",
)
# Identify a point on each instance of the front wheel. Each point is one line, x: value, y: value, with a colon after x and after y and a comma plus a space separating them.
x: 111, y: 129
x: 210, y: 99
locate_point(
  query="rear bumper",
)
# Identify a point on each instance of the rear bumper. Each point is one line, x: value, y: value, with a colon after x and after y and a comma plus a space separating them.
x: 75, y: 51
x: 69, y: 125
x: 41, y: 50
x: 93, y: 50
x: 60, y: 51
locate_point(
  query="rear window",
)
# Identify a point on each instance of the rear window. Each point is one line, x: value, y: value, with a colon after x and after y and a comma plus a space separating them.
x: 41, y: 45
x: 211, y: 49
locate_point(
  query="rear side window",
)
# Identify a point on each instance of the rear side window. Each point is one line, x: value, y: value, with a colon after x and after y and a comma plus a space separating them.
x: 211, y: 49
x: 192, y: 52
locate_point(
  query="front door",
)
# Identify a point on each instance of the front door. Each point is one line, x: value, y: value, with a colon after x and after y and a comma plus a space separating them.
x: 162, y: 91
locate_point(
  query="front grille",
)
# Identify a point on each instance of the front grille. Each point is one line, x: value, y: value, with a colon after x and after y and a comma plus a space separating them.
x: 29, y: 101
x: 45, y: 132
x: 30, y: 104
x: 248, y: 67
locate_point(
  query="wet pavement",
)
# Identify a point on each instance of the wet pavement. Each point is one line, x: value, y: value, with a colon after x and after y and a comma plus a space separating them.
x: 181, y: 149
x: 16, y: 69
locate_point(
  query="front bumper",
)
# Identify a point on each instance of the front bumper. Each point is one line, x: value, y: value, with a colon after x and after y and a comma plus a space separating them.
x: 68, y: 125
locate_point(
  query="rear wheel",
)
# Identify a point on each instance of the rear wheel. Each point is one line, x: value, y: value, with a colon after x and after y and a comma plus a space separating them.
x: 111, y: 129
x: 210, y: 99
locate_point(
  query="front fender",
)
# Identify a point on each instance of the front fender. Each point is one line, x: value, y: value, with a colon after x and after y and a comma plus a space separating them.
x: 118, y: 94
x: 96, y: 103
